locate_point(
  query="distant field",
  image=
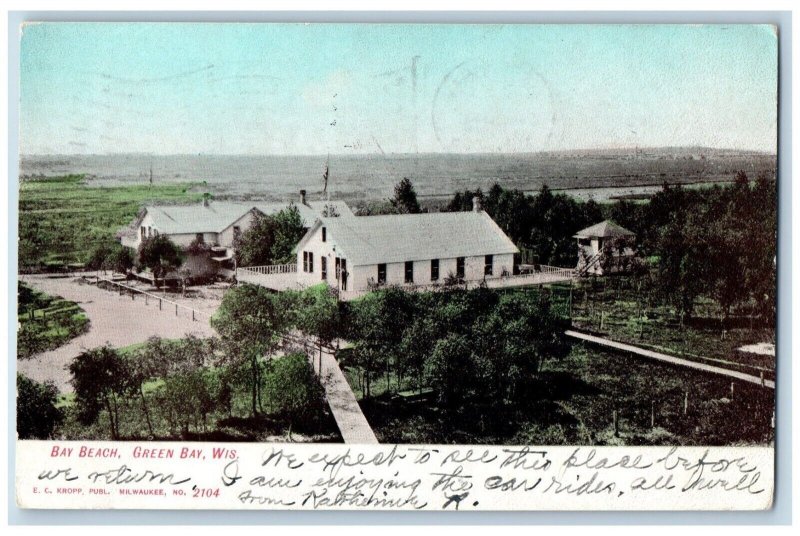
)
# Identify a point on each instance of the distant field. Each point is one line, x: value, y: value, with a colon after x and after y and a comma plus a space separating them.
x: 373, y: 176
x: 62, y: 219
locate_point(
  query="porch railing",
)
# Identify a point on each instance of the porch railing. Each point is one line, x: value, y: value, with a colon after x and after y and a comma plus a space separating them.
x: 270, y: 269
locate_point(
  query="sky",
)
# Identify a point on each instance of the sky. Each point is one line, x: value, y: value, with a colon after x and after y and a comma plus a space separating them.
x: 170, y: 88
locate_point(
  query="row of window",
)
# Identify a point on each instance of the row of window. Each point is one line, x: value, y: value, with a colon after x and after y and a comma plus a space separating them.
x: 308, y: 267
x: 147, y: 232
x: 488, y: 269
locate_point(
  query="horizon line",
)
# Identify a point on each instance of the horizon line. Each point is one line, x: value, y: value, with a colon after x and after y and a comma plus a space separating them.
x: 425, y: 153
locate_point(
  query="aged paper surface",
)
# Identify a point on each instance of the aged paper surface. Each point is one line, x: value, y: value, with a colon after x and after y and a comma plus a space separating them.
x: 397, y: 267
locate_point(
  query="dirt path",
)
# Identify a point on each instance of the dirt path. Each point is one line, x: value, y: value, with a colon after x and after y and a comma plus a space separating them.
x: 117, y: 320
x: 349, y: 418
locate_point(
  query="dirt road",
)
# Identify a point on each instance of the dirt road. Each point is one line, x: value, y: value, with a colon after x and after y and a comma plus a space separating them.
x: 116, y: 320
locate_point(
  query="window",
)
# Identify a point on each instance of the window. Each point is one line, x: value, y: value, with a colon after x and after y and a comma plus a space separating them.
x: 381, y: 274
x: 323, y: 267
x: 344, y: 274
x: 324, y: 235
x: 237, y: 232
x: 409, y: 271
x: 144, y: 232
x: 199, y: 238
x: 434, y: 269
x: 308, y: 261
x: 488, y: 265
x: 460, y: 267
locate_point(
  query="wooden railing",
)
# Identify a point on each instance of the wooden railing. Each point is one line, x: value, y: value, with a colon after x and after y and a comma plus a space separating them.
x: 148, y: 296
x: 271, y: 269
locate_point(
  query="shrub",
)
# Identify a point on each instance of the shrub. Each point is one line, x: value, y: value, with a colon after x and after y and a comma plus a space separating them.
x: 37, y: 414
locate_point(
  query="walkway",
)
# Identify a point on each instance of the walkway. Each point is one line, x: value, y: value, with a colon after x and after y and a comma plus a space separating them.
x: 671, y: 359
x: 116, y: 320
x: 349, y: 418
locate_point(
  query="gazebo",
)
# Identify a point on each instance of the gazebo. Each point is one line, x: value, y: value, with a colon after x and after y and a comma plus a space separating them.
x: 605, y: 248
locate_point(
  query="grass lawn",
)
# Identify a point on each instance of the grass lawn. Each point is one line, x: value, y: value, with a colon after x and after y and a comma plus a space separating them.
x: 46, y: 322
x: 615, y: 311
x: 574, y: 401
x: 62, y: 219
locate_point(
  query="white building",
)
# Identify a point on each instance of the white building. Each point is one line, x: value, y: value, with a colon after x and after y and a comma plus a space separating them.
x: 360, y: 253
x: 217, y: 223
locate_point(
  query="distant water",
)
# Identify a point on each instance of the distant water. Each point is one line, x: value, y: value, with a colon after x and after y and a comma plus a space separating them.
x: 365, y: 177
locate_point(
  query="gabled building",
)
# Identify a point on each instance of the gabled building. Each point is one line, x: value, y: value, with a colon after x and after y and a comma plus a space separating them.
x: 217, y: 224
x: 361, y: 253
x: 605, y: 248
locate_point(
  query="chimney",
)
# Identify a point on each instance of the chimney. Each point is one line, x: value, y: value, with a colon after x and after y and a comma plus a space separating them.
x: 302, y: 197
x: 476, y: 204
x: 206, y: 199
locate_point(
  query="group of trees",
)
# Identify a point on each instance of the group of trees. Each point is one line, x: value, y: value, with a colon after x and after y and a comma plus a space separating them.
x: 166, y: 389
x: 717, y: 242
x: 477, y: 347
x: 543, y: 224
x: 270, y: 239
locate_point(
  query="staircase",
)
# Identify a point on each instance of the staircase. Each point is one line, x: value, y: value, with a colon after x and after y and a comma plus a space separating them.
x: 591, y: 262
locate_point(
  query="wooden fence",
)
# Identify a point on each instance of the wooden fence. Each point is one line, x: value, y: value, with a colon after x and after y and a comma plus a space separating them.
x: 163, y: 303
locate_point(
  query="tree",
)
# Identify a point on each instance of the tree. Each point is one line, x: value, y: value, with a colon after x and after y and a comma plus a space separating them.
x: 98, y: 256
x: 251, y: 322
x: 100, y: 377
x: 37, y: 414
x: 405, y: 198
x: 288, y: 230
x: 187, y: 399
x: 270, y: 239
x: 378, y: 322
x: 292, y: 387
x: 119, y: 259
x: 150, y: 362
x: 318, y: 314
x: 160, y: 255
x: 449, y: 370
x: 683, y: 261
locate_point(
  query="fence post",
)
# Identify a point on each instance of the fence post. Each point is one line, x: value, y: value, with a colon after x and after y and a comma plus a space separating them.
x: 616, y: 424
x: 686, y: 402
x: 159, y: 304
x: 762, y: 379
x: 192, y: 315
x: 732, y: 388
x: 145, y: 299
x: 652, y: 414
x: 176, y: 309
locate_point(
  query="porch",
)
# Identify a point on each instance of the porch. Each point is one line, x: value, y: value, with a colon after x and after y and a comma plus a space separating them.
x: 274, y: 277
